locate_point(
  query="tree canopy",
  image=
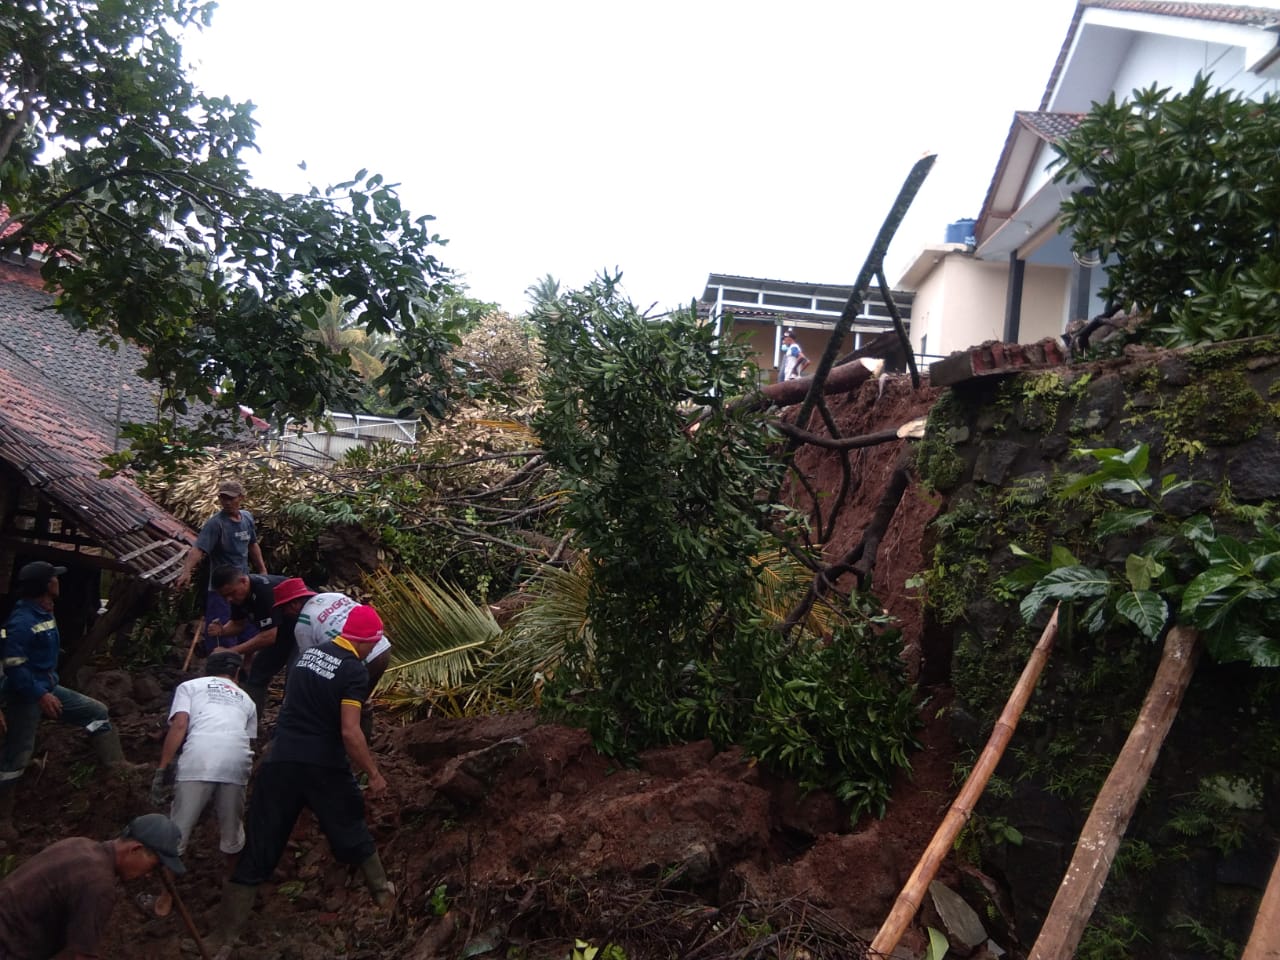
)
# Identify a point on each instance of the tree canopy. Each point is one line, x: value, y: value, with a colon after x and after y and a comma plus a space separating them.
x: 1183, y: 200
x: 132, y: 185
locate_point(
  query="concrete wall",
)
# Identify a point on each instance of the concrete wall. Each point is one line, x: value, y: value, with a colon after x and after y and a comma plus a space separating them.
x: 962, y: 303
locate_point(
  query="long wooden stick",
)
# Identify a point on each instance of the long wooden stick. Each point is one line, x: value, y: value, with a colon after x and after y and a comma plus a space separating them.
x: 191, y: 650
x: 182, y: 910
x: 1078, y: 895
x: 1264, y: 942
x: 912, y: 895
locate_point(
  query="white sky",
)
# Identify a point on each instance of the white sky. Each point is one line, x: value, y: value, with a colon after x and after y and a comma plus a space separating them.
x: 671, y: 138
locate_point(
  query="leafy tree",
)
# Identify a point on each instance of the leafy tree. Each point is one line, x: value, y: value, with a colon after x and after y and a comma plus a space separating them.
x: 131, y: 183
x: 1183, y: 194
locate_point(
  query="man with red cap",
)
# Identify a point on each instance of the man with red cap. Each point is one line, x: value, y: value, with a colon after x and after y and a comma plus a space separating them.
x: 317, y: 739
x: 251, y: 598
x: 321, y: 617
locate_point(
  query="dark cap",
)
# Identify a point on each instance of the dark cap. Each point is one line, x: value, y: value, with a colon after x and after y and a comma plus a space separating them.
x: 39, y: 572
x: 223, y: 663
x: 231, y: 488
x: 158, y: 834
x: 788, y: 332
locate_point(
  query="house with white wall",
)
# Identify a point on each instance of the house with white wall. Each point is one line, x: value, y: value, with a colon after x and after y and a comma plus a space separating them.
x: 1021, y: 281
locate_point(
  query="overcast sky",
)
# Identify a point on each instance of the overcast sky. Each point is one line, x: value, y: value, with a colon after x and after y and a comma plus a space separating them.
x: 670, y: 138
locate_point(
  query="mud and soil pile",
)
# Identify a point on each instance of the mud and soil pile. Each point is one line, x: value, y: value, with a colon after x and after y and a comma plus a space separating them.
x: 527, y: 839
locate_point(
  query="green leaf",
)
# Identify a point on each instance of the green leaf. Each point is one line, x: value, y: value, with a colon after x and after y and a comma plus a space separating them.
x: 938, y: 945
x: 1066, y: 583
x: 1204, y: 586
x: 1122, y: 521
x: 1141, y: 571
x: 1146, y: 610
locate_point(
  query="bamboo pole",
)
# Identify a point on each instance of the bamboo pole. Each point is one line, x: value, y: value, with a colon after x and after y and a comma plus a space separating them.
x: 1078, y: 894
x: 182, y: 911
x: 912, y: 895
x: 1264, y: 942
x: 195, y: 642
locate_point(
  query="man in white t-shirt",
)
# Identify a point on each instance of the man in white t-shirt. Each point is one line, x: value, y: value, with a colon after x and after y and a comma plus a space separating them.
x: 793, y: 359
x: 211, y: 721
x: 320, y: 620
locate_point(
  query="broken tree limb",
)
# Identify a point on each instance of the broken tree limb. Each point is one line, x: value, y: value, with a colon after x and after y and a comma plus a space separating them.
x: 1264, y: 941
x: 887, y: 292
x: 1078, y: 894
x: 912, y: 895
x: 880, y: 520
x: 861, y: 559
x: 874, y: 262
x: 842, y: 443
x: 790, y: 392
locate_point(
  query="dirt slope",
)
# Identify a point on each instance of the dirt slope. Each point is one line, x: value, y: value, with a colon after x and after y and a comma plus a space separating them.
x: 536, y: 838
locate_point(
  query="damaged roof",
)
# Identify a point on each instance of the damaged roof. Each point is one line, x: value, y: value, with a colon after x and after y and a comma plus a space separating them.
x: 60, y: 394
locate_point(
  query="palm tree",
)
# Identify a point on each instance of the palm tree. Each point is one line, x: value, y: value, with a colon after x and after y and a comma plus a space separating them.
x: 337, y: 331
x: 542, y: 293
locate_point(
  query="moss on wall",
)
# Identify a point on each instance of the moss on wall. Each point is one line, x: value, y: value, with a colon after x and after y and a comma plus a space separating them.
x: 1218, y: 780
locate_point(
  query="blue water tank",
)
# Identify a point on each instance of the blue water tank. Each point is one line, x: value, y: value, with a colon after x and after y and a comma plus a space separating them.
x: 961, y: 231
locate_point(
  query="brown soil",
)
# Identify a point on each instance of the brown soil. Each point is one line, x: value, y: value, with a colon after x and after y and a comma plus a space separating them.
x: 539, y: 840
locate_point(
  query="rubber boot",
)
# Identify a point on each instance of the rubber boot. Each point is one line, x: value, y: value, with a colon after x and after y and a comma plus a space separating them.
x: 8, y: 832
x: 233, y: 916
x: 106, y: 747
x: 381, y: 889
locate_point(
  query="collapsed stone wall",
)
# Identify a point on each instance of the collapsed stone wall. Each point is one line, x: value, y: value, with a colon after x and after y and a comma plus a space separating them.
x: 1191, y: 870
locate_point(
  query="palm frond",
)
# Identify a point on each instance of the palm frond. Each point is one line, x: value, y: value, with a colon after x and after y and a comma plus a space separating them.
x: 438, y: 631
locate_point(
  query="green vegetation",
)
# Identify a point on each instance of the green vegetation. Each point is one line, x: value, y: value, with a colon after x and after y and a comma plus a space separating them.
x: 1226, y: 587
x: 1182, y: 202
x: 134, y: 182
x: 680, y: 548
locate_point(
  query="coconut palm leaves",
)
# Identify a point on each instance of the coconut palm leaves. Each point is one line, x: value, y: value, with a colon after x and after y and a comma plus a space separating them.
x: 439, y: 634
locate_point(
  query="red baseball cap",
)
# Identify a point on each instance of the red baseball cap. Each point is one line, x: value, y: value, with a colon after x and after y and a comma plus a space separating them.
x: 363, y: 625
x: 290, y: 589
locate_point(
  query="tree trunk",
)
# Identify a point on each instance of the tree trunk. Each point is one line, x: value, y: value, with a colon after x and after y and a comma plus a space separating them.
x: 1100, y: 838
x: 909, y: 900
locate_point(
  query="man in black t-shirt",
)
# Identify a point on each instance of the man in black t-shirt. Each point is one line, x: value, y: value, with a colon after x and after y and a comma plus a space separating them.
x: 251, y: 598
x: 317, y: 738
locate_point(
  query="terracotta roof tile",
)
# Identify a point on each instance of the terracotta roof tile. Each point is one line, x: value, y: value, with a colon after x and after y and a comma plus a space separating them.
x: 53, y: 435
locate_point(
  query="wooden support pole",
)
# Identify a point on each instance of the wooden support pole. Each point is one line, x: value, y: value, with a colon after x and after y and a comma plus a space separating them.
x: 1109, y: 818
x: 912, y: 895
x: 1264, y: 942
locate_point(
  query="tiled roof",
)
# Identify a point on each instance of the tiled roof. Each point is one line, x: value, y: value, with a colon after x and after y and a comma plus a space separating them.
x: 1264, y: 17
x: 57, y: 441
x: 1215, y: 12
x: 1047, y: 125
x: 103, y: 379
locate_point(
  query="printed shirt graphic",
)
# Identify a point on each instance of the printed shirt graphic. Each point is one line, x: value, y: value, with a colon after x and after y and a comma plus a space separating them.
x: 226, y: 541
x: 309, y: 729
x: 222, y: 722
x: 322, y: 619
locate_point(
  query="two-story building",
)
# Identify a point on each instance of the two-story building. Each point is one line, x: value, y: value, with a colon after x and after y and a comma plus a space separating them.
x: 1021, y: 280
